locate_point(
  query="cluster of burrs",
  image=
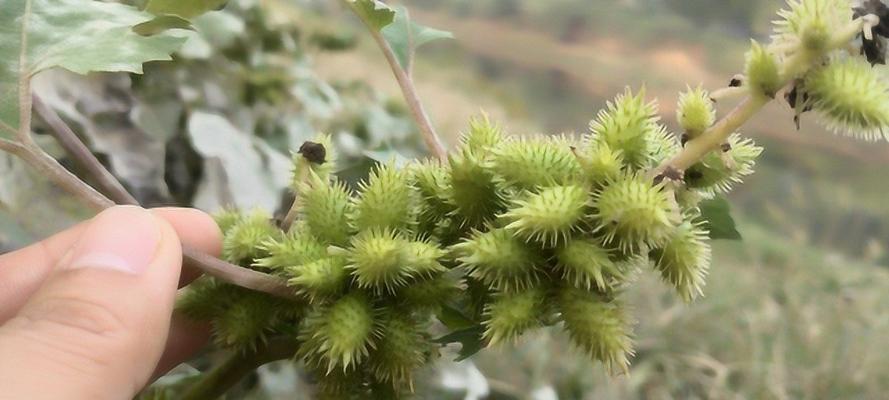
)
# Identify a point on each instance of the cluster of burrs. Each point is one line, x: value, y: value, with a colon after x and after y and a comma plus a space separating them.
x: 515, y: 233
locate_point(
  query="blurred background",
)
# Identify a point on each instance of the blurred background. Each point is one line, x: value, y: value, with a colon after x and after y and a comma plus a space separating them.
x: 798, y: 310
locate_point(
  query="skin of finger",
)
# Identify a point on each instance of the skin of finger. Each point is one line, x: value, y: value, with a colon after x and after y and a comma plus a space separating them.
x: 111, y: 359
x: 196, y: 229
x: 185, y: 339
x: 23, y: 271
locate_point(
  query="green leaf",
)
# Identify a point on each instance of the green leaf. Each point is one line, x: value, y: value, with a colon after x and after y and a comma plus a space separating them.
x: 470, y: 339
x: 406, y: 36
x: 184, y: 8
x: 81, y: 36
x: 374, y: 13
x: 718, y: 219
x: 162, y: 23
x: 453, y: 318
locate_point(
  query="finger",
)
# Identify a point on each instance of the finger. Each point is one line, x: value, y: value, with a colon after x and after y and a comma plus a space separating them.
x: 197, y: 230
x: 97, y: 326
x: 185, y: 339
x: 23, y: 271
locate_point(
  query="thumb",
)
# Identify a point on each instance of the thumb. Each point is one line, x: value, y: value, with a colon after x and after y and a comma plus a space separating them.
x: 97, y: 327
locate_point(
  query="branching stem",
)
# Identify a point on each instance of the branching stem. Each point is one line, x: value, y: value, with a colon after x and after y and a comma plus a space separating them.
x: 408, y: 90
x: 293, y: 212
x: 215, y: 383
x: 47, y: 166
x: 80, y: 152
x: 793, y: 67
x: 714, y: 137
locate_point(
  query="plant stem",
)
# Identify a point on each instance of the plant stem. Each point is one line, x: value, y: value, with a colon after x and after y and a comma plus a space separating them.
x: 715, y: 136
x: 293, y: 212
x: 215, y: 383
x: 78, y: 150
x: 237, y: 275
x: 47, y: 166
x: 408, y: 90
x: 793, y: 67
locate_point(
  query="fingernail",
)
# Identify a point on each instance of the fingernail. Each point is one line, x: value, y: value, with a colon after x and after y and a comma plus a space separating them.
x: 122, y: 238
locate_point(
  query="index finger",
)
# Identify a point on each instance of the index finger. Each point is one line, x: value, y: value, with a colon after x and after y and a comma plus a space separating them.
x: 23, y: 271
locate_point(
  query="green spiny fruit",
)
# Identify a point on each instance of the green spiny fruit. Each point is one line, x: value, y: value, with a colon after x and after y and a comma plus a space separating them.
x: 377, y: 260
x: 812, y: 22
x: 227, y: 218
x: 512, y: 313
x: 685, y: 258
x: 531, y: 163
x: 763, y: 74
x: 851, y: 97
x: 695, y: 112
x: 247, y: 320
x: 550, y: 215
x: 316, y: 157
x: 500, y: 260
x: 600, y: 163
x: 324, y: 209
x: 627, y: 125
x: 386, y: 201
x: 663, y: 145
x: 340, y: 335
x: 472, y: 192
x: 337, y: 384
x: 587, y: 265
x: 430, y: 179
x: 719, y: 170
x: 297, y: 247
x: 423, y: 259
x: 430, y: 294
x: 598, y: 325
x: 400, y: 351
x: 319, y: 279
x: 633, y: 213
x: 243, y: 242
x: 206, y: 298
x: 482, y: 137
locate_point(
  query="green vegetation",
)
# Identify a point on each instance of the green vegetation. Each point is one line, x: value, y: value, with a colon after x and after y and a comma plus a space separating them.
x: 372, y: 271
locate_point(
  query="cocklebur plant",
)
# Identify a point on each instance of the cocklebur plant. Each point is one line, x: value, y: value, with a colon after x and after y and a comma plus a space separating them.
x: 499, y: 236
x: 547, y: 229
x: 517, y: 233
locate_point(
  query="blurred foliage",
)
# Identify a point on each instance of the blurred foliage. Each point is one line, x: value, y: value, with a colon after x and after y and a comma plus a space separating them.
x: 785, y: 315
x: 241, y: 88
x: 570, y: 20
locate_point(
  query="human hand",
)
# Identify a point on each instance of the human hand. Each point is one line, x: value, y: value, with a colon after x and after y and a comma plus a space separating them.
x: 86, y: 314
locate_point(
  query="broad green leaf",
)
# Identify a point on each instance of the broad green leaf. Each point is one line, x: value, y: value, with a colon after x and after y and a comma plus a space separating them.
x: 716, y: 213
x: 374, y: 13
x: 406, y: 36
x: 183, y: 8
x: 162, y: 23
x: 453, y: 318
x: 78, y: 35
x: 469, y: 338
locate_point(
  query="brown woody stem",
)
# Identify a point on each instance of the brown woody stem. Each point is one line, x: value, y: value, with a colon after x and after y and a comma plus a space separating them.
x: 107, y: 183
x: 47, y: 166
x: 215, y: 383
